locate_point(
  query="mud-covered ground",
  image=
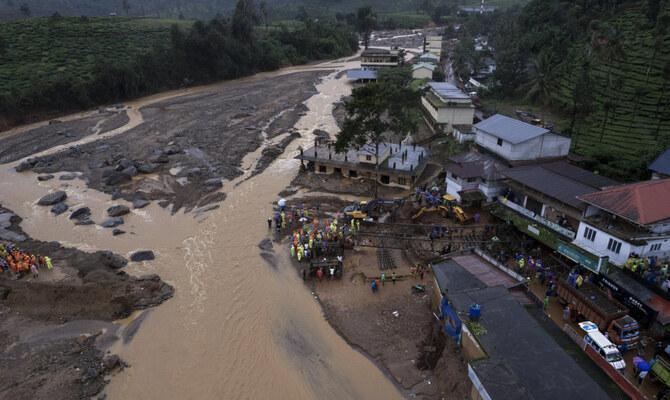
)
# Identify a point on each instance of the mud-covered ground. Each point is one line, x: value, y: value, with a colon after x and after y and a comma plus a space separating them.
x: 53, y: 328
x: 186, y: 146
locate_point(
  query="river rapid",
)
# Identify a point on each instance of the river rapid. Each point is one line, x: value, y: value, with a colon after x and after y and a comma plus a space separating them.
x: 240, y: 326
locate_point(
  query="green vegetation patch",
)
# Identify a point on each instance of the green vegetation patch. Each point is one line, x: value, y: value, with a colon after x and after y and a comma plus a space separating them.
x: 476, y: 328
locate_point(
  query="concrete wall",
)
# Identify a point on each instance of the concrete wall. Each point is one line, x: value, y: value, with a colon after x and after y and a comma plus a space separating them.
x: 394, y: 179
x: 449, y: 115
x: 602, y: 240
x: 422, y: 73
x: 491, y: 188
x: 547, y: 145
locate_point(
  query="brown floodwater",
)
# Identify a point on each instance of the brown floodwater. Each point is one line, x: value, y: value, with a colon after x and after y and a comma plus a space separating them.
x: 240, y: 326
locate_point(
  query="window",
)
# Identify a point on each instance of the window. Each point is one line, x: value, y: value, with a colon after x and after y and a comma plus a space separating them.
x: 499, y: 142
x: 402, y: 181
x: 614, y: 246
x: 368, y: 158
x: 454, y: 176
x: 590, y: 234
x: 472, y: 179
x: 322, y: 168
x: 655, y: 247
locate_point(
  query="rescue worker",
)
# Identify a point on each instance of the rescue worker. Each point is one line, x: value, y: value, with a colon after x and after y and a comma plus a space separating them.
x: 394, y: 276
x: 383, y: 278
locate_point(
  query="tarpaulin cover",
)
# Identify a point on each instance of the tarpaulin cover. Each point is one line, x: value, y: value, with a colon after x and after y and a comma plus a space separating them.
x: 452, y: 324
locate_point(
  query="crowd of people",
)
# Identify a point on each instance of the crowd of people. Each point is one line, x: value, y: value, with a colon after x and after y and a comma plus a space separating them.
x: 17, y: 263
x: 650, y: 270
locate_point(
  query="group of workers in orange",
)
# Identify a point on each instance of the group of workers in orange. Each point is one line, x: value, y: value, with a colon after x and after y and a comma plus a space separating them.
x: 19, y: 262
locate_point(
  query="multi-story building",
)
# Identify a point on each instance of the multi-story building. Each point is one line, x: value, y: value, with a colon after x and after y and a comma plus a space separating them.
x: 444, y: 105
x: 633, y: 218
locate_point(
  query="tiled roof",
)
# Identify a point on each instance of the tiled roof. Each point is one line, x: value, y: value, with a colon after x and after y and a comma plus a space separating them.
x: 642, y: 202
x: 662, y: 163
x: 510, y: 129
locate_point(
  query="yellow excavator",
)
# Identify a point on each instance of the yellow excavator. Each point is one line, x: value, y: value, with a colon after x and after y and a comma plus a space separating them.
x: 447, y: 209
x: 368, y: 209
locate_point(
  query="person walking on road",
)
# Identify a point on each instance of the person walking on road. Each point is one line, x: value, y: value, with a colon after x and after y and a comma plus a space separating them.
x: 394, y: 276
x: 374, y: 286
x: 269, y: 223
x: 383, y: 278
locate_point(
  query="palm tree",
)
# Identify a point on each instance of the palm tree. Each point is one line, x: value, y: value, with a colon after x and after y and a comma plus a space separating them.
x: 541, y: 80
x: 611, y: 46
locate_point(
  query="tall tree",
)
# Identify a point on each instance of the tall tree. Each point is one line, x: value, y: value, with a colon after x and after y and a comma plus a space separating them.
x: 365, y: 21
x: 611, y: 46
x: 263, y: 7
x: 25, y: 9
x: 541, y: 80
x: 385, y: 107
x: 244, y: 19
x: 126, y: 6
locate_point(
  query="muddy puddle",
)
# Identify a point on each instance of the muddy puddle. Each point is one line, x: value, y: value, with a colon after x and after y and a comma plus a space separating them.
x: 241, y: 324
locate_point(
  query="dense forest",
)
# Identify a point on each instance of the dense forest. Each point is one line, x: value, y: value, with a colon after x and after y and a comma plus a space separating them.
x: 601, y: 68
x: 59, y: 64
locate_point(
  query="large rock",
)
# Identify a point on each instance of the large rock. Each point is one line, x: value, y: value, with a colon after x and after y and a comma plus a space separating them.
x: 43, y: 178
x: 95, y: 164
x: 118, y: 231
x: 24, y: 166
x: 85, y: 221
x: 149, y: 168
x: 216, y: 182
x: 59, y: 208
x: 80, y: 213
x: 272, y: 150
x: 124, y: 163
x: 169, y: 150
x: 132, y: 171
x: 159, y: 159
x: 112, y: 222
x: 52, y: 198
x: 142, y: 255
x: 139, y: 203
x: 117, y: 178
x: 67, y: 177
x: 117, y: 211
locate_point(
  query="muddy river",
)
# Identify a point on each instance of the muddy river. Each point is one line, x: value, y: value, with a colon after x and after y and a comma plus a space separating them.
x: 240, y: 325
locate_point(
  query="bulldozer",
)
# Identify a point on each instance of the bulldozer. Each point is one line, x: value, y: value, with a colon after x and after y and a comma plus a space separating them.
x: 369, y: 209
x: 447, y: 209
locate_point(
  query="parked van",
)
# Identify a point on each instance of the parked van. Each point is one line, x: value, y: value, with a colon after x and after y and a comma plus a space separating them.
x: 603, y: 346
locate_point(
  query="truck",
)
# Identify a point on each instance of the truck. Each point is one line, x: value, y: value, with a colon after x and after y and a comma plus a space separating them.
x: 373, y: 208
x: 447, y: 209
x: 660, y: 365
x: 606, y: 313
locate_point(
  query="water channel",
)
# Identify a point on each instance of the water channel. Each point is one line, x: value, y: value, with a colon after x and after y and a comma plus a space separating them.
x: 239, y: 325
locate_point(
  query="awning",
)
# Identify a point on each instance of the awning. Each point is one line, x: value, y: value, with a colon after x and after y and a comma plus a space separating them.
x: 472, y: 195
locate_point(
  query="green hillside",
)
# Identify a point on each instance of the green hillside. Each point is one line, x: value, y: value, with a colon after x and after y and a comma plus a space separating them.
x: 46, y: 49
x: 600, y: 69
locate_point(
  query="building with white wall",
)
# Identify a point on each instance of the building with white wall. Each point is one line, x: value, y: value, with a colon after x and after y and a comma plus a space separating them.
x: 445, y: 105
x: 516, y: 140
x: 474, y: 176
x: 423, y: 71
x: 633, y: 218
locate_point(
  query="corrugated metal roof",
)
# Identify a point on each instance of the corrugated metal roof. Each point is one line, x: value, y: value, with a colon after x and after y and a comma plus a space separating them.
x: 644, y: 295
x: 423, y: 65
x: 552, y: 184
x: 428, y: 55
x: 662, y: 163
x: 642, y: 202
x: 476, y: 165
x: 580, y: 175
x: 510, y: 129
x: 447, y: 90
x: 361, y: 74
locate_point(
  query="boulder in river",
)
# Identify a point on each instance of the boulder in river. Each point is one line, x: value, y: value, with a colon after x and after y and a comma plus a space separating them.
x: 139, y: 203
x: 118, y: 231
x: 52, y: 198
x: 159, y: 159
x: 142, y: 255
x: 117, y: 178
x: 59, y: 208
x: 43, y: 178
x: 80, y: 213
x: 118, y: 210
x: 213, y: 182
x: 24, y: 166
x: 67, y: 177
x: 132, y: 171
x: 148, y: 168
x: 85, y: 221
x: 112, y: 222
x: 169, y: 150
